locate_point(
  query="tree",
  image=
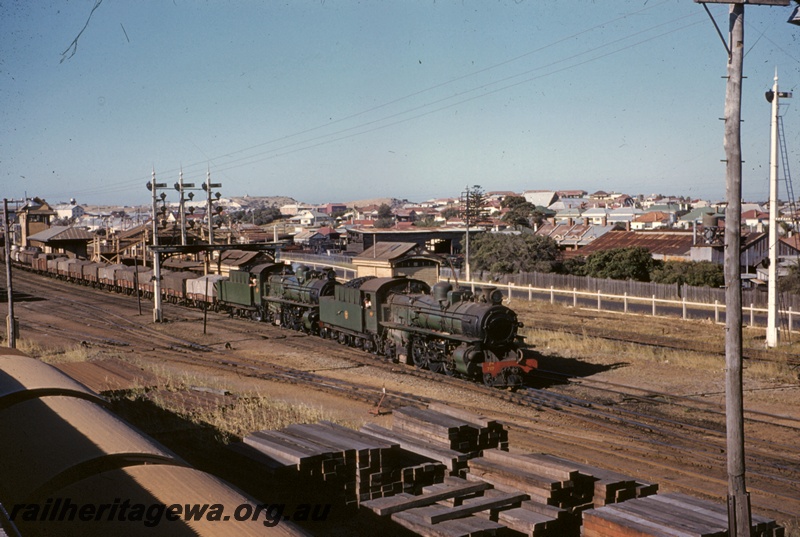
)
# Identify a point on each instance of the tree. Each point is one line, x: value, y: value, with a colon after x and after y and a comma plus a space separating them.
x: 502, y: 253
x: 385, y: 211
x: 790, y: 283
x: 473, y: 205
x: 697, y: 274
x: 521, y: 213
x: 450, y: 212
x: 631, y: 263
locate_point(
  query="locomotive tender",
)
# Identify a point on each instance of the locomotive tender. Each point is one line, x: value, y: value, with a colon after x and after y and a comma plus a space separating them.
x: 448, y: 330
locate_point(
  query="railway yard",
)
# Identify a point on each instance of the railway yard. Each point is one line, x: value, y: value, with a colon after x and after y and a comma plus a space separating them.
x: 626, y: 394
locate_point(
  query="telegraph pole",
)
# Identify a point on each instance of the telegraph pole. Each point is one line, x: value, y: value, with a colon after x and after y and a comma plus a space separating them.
x: 10, y: 320
x: 739, y: 520
x: 181, y: 187
x: 466, y: 219
x: 738, y: 497
x: 207, y: 186
x: 153, y: 187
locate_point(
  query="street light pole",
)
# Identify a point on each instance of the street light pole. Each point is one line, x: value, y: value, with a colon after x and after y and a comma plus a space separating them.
x: 773, y: 335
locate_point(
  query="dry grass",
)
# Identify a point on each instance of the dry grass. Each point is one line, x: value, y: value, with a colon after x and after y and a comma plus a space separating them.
x: 235, y: 414
x: 58, y: 354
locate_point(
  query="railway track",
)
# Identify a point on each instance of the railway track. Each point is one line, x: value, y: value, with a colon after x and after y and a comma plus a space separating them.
x: 686, y: 453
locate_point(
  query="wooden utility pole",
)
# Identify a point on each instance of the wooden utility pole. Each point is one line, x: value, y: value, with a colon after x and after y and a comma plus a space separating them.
x: 10, y: 321
x: 738, y: 498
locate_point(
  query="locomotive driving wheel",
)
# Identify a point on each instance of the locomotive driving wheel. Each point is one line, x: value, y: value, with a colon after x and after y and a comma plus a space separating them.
x: 419, y: 356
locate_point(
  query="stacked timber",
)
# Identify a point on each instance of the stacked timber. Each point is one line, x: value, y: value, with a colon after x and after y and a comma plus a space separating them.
x: 491, y: 433
x: 668, y: 514
x: 607, y: 487
x: 458, y: 508
x: 454, y: 461
x: 455, y: 429
x: 340, y: 462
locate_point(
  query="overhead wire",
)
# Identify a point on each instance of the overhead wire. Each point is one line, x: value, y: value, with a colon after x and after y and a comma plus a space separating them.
x: 361, y: 128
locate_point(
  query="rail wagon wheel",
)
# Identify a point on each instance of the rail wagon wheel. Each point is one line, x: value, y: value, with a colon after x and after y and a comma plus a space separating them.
x: 343, y: 338
x: 450, y: 369
x: 488, y: 379
x: 257, y: 316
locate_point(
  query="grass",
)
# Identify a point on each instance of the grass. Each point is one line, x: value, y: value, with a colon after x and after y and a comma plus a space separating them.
x: 233, y: 413
x: 60, y: 354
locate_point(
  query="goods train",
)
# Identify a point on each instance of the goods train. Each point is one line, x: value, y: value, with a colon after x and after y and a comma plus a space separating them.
x: 445, y: 329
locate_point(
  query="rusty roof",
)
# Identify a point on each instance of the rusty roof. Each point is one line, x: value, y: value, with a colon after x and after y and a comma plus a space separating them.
x: 672, y: 243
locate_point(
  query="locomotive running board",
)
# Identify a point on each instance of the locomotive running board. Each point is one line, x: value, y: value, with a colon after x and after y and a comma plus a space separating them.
x: 427, y: 332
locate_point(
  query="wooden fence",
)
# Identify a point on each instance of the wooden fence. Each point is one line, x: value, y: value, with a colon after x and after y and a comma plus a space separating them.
x: 567, y: 282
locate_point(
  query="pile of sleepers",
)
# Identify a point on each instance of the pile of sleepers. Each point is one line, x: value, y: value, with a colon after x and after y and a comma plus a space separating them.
x: 339, y: 462
x: 443, y: 434
x: 556, y: 481
x: 667, y: 515
x: 459, y: 508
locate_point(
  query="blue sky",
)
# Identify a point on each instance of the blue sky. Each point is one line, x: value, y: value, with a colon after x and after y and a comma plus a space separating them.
x: 337, y: 100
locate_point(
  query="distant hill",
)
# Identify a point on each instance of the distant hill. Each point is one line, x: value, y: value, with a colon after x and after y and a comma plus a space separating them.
x: 262, y: 202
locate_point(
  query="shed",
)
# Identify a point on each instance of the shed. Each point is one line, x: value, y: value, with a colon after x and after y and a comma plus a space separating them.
x: 391, y: 259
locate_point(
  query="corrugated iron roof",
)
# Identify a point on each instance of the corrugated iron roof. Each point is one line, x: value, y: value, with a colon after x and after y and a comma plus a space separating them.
x: 62, y: 233
x: 388, y: 250
x: 660, y: 243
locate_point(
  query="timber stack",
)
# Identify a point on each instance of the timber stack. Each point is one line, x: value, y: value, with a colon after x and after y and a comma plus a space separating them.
x: 668, y: 514
x: 339, y: 462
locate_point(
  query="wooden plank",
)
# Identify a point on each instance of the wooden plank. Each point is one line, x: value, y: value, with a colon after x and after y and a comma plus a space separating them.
x: 481, y: 467
x: 449, y: 528
x: 621, y: 524
x: 540, y: 466
x: 465, y: 415
x: 395, y: 504
x: 525, y: 521
x: 450, y: 458
x: 475, y: 505
x: 676, y: 518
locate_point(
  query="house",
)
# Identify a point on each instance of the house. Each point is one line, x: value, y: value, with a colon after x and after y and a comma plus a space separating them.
x: 312, y: 218
x: 69, y: 211
x: 544, y: 198
x: 651, y: 220
x: 755, y: 219
x: 333, y: 208
x: 596, y: 215
x: 570, y: 194
x: 697, y: 216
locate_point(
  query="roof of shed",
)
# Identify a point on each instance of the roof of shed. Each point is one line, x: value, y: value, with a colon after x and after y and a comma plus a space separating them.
x: 663, y: 243
x: 61, y: 233
x: 388, y: 250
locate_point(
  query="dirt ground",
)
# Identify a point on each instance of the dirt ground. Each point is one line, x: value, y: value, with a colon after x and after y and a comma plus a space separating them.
x: 115, y: 333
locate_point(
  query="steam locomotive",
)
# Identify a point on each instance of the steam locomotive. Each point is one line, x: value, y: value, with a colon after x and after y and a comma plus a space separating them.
x: 446, y: 329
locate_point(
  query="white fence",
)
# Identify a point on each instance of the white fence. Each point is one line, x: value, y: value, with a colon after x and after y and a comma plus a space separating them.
x: 602, y: 301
